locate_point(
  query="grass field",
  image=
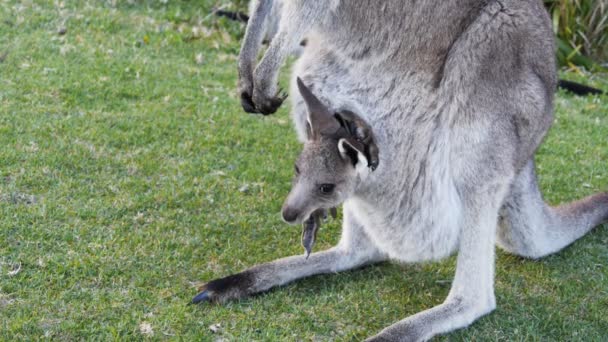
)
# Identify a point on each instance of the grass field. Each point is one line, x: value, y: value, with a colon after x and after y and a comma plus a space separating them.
x: 129, y: 174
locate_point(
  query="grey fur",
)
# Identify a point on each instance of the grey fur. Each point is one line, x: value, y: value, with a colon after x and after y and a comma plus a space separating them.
x: 458, y: 95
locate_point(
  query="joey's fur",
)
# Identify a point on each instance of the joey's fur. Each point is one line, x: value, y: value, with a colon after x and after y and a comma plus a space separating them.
x: 452, y: 98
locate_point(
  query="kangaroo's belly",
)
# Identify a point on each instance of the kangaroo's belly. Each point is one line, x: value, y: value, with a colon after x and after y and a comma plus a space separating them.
x: 416, y: 219
x: 421, y: 234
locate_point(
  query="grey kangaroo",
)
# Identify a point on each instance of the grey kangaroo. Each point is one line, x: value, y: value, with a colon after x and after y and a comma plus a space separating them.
x: 422, y: 119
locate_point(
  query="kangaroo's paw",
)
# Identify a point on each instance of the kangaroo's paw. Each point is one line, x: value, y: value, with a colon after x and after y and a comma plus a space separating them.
x: 228, y: 288
x: 247, y: 103
x: 259, y: 103
x: 266, y: 104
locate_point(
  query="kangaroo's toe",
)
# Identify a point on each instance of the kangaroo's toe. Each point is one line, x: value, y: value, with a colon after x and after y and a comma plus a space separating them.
x: 201, y: 297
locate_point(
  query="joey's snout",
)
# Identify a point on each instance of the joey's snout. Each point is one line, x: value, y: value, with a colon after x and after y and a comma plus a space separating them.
x: 290, y: 215
x: 295, y: 207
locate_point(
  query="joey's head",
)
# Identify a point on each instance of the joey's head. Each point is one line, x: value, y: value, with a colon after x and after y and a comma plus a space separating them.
x: 338, y: 155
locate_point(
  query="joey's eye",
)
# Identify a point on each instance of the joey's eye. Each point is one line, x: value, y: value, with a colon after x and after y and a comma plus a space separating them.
x: 327, y: 188
x: 296, y: 169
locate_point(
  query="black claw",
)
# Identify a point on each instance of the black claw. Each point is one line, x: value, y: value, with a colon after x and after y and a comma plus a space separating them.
x: 273, y: 104
x: 201, y: 297
x: 270, y: 107
x: 283, y: 95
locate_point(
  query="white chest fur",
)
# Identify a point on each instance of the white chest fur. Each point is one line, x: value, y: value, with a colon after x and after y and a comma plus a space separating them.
x: 414, y: 229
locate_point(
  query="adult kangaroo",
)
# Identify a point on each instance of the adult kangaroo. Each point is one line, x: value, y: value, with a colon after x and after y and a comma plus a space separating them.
x: 422, y: 118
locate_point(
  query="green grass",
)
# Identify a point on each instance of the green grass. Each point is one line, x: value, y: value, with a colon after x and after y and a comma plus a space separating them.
x: 122, y: 157
x: 581, y: 27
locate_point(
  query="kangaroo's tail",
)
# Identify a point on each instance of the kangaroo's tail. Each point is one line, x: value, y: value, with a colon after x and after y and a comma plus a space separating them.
x: 578, y: 89
x: 236, y: 16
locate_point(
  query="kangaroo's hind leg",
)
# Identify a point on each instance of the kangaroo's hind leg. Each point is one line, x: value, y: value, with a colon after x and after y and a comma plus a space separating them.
x: 354, y: 249
x: 530, y: 228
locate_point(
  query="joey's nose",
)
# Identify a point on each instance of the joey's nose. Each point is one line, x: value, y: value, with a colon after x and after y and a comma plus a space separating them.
x: 289, y: 215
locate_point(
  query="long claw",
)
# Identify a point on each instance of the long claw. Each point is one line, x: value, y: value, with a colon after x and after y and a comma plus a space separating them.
x: 283, y: 95
x: 201, y: 297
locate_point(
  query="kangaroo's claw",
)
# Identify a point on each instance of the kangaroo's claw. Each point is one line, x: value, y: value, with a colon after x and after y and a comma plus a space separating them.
x: 201, y: 297
x: 267, y: 104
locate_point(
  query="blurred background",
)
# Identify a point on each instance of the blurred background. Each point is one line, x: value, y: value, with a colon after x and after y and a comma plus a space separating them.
x: 581, y: 27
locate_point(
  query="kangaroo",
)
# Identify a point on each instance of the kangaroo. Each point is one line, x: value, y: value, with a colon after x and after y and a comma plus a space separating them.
x: 451, y: 99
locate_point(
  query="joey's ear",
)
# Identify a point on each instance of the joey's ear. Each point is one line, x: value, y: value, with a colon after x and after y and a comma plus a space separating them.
x: 321, y: 120
x: 361, y: 132
x: 354, y: 152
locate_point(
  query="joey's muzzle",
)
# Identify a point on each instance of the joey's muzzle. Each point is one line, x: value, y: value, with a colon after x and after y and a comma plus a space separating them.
x: 290, y: 215
x: 296, y: 205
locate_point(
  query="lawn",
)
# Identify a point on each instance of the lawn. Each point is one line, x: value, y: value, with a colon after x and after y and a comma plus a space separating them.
x: 129, y: 174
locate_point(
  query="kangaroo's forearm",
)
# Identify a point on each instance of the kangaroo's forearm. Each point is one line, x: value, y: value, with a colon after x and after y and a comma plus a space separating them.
x: 254, y: 35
